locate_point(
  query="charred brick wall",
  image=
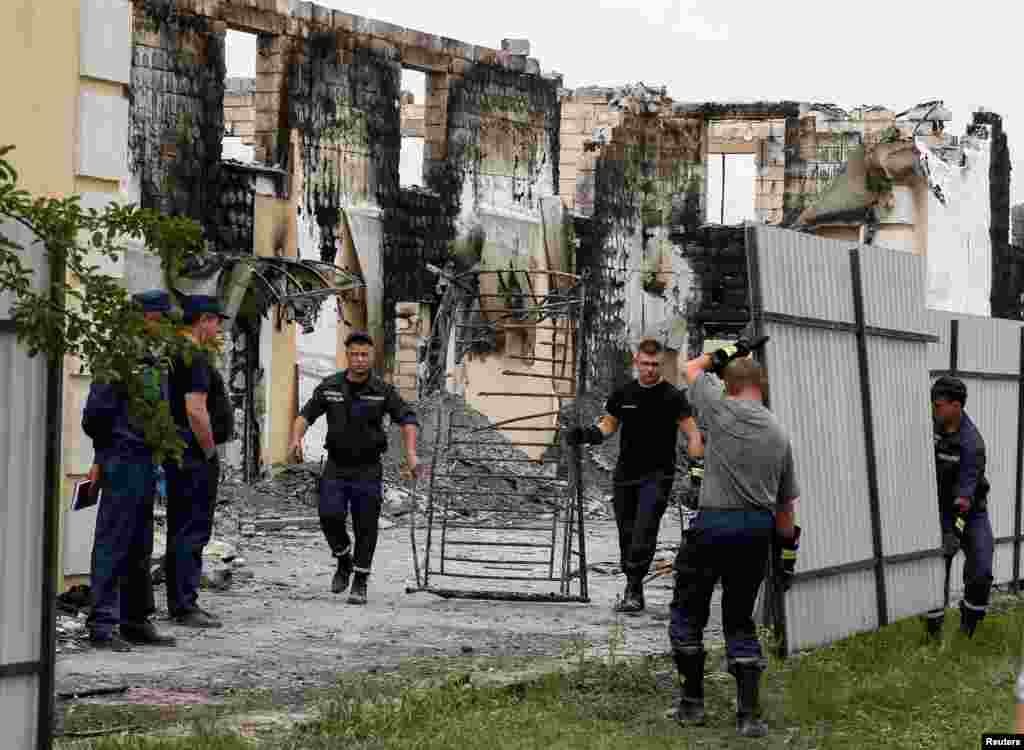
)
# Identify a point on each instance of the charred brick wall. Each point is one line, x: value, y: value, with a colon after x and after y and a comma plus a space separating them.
x: 177, y: 110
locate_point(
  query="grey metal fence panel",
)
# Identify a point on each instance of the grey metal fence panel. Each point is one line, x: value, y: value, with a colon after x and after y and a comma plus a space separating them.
x: 904, y: 446
x: 821, y: 289
x: 19, y: 697
x: 824, y: 610
x: 826, y: 431
x: 938, y: 325
x: 914, y: 587
x: 894, y: 290
x: 987, y: 405
x: 23, y: 457
x: 988, y: 345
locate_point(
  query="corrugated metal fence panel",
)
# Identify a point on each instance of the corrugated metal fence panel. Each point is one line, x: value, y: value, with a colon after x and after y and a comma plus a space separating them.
x: 914, y: 587
x: 827, y: 432
x: 988, y: 345
x: 22, y: 504
x: 824, y: 610
x: 992, y: 406
x: 903, y: 445
x: 894, y: 289
x: 938, y: 325
x: 804, y: 276
x: 18, y: 708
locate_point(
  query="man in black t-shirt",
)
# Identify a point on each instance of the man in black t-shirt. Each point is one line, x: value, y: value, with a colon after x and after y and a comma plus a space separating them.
x: 192, y: 487
x: 354, y: 401
x: 651, y: 413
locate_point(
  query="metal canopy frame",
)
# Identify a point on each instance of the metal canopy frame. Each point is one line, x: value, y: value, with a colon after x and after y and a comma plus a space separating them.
x: 542, y: 543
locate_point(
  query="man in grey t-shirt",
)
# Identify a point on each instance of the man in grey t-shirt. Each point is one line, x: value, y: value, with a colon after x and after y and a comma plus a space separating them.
x: 746, y: 500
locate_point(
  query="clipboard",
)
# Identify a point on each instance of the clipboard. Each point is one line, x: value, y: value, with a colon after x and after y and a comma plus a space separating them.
x: 86, y: 494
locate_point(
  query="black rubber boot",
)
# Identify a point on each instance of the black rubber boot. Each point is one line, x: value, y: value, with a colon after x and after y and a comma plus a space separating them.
x: 748, y: 709
x: 342, y: 575
x: 934, y: 622
x: 969, y: 619
x: 632, y: 598
x: 358, y: 593
x: 691, y: 677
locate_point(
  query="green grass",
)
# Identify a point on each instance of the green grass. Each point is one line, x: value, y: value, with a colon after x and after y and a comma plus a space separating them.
x: 889, y: 689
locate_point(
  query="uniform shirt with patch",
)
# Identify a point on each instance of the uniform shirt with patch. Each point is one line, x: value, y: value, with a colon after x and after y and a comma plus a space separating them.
x: 649, y: 420
x: 960, y: 465
x: 356, y: 438
x: 748, y: 458
x: 185, y: 379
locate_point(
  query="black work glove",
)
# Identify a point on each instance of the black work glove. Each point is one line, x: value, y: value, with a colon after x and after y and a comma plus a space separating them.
x: 951, y: 539
x: 591, y: 435
x: 696, y: 472
x: 786, y: 560
x: 721, y: 358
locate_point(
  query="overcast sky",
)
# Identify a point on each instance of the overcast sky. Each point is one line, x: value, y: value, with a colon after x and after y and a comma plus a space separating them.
x: 891, y: 53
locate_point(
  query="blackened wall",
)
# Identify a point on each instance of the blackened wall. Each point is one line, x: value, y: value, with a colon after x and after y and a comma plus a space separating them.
x: 1006, y: 260
x: 177, y: 112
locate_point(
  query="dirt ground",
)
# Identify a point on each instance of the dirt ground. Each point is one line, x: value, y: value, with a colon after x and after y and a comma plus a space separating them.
x: 285, y: 631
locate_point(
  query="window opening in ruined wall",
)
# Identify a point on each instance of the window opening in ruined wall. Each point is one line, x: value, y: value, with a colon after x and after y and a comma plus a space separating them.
x: 414, y: 127
x: 240, y: 97
x: 731, y: 184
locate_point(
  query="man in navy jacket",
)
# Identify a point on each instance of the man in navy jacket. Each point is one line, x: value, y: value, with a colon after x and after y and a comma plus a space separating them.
x: 121, y: 585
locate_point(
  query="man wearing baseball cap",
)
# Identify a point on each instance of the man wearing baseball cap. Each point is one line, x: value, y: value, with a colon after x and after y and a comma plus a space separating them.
x: 192, y: 487
x: 120, y: 580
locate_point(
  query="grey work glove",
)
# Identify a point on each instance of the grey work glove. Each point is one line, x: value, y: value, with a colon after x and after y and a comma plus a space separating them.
x: 950, y: 544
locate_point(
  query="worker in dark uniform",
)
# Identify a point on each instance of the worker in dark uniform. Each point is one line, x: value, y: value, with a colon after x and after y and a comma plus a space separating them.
x: 120, y: 580
x: 746, y: 508
x: 192, y: 486
x: 355, y: 401
x: 651, y: 412
x: 963, y: 500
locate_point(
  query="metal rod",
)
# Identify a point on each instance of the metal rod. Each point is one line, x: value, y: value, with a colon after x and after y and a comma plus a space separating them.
x: 527, y: 445
x: 1018, y: 504
x: 516, y: 429
x: 524, y: 545
x: 465, y: 459
x: 490, y: 493
x: 477, y: 527
x: 501, y: 596
x: 559, y: 396
x: 874, y: 498
x: 430, y: 491
x: 520, y: 419
x: 502, y: 476
x: 580, y: 365
x: 489, y: 561
x: 533, y: 359
x: 535, y: 375
x: 482, y: 577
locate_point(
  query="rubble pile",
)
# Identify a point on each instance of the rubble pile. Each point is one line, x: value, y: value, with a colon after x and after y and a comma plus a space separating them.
x: 481, y: 456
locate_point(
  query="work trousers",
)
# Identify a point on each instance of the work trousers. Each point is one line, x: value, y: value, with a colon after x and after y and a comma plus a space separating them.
x: 639, y: 505
x: 121, y: 585
x: 978, y: 546
x: 191, y: 502
x: 731, y: 546
x: 360, y: 498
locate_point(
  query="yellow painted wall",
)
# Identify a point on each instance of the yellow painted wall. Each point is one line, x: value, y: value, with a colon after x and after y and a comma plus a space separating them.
x: 39, y: 64
x: 274, y: 228
x: 39, y: 78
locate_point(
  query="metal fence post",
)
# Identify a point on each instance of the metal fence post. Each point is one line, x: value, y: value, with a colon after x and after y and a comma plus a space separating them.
x: 1020, y: 466
x: 774, y: 600
x: 869, y: 437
